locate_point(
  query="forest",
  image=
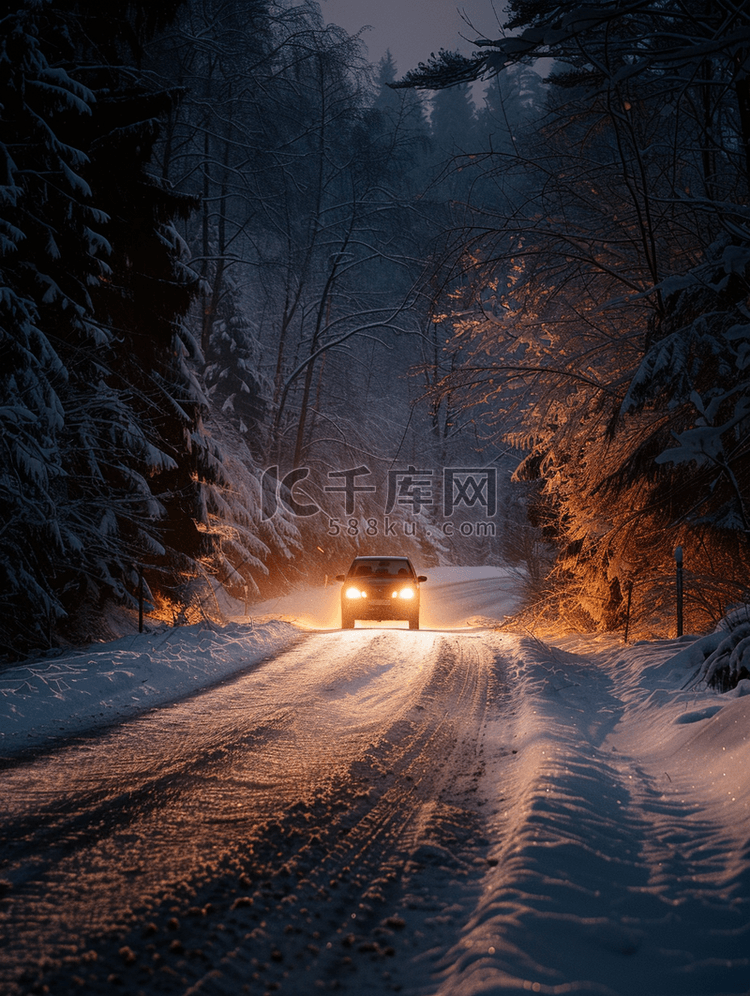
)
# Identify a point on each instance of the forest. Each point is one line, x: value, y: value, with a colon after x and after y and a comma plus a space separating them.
x: 264, y: 305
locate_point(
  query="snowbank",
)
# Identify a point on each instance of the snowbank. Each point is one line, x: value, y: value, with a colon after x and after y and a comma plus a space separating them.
x: 78, y: 691
x: 620, y: 802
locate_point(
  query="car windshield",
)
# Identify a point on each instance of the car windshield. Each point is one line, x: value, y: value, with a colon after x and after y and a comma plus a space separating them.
x: 373, y: 567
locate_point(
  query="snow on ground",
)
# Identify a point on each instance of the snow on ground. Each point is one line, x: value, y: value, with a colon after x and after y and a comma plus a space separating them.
x: 616, y: 796
x: 70, y: 692
x: 623, y: 865
x: 77, y: 691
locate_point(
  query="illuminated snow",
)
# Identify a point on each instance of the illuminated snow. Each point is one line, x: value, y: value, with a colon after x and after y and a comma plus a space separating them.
x: 614, y: 790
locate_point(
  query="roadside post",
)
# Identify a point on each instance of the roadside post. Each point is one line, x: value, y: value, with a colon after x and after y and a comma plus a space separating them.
x: 140, y: 599
x: 678, y: 561
x: 627, y: 610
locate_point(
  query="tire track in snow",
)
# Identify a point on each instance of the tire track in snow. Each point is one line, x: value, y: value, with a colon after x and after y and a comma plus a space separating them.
x: 319, y: 762
x: 607, y: 878
x: 398, y: 810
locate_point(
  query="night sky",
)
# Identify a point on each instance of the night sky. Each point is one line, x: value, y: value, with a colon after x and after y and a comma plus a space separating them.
x: 412, y: 29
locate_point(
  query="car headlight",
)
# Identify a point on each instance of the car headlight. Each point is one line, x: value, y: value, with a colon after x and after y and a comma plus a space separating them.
x: 355, y: 593
x: 404, y: 593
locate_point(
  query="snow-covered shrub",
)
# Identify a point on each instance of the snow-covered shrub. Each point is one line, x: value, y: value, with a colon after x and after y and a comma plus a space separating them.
x: 730, y: 662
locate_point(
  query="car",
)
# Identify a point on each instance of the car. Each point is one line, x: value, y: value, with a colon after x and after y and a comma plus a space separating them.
x: 380, y: 588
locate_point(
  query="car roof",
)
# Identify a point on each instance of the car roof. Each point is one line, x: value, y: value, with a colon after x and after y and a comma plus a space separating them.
x: 376, y: 565
x: 385, y: 560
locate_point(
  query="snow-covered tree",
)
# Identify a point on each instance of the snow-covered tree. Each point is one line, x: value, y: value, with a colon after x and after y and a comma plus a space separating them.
x: 513, y: 107
x: 453, y: 120
x: 104, y: 451
x: 307, y: 234
x: 604, y: 300
x: 53, y: 251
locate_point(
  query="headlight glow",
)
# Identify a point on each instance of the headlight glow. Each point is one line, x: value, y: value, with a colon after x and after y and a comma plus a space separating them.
x: 406, y: 593
x: 355, y: 593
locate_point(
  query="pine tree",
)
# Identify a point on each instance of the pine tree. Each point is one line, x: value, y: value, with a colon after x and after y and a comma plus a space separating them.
x: 514, y: 105
x: 48, y: 221
x: 103, y: 452
x: 143, y: 303
x: 453, y: 121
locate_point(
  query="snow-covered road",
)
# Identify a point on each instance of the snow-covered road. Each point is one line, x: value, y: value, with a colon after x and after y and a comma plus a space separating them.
x: 451, y: 812
x: 329, y: 759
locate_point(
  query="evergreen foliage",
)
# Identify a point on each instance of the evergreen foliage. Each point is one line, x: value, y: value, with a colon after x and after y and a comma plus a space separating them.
x: 217, y: 234
x: 98, y: 404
